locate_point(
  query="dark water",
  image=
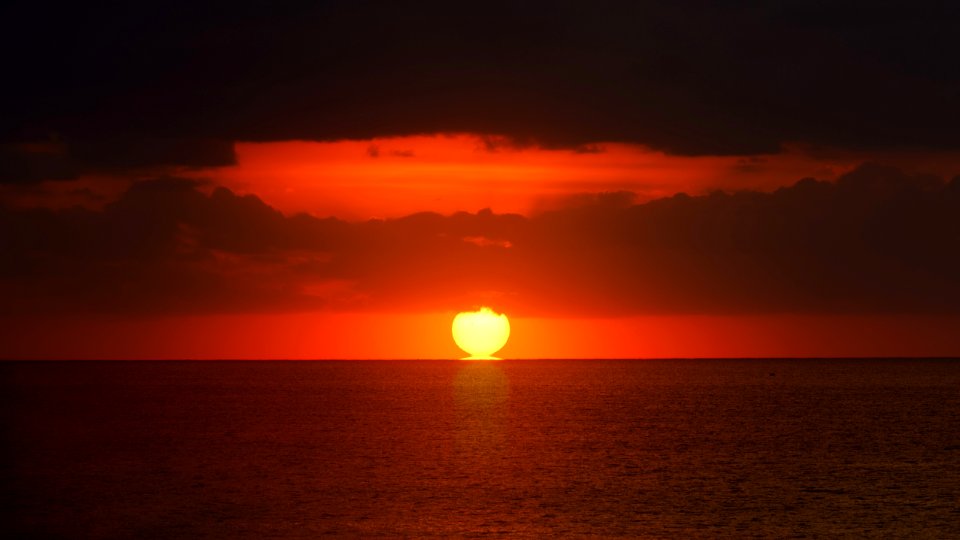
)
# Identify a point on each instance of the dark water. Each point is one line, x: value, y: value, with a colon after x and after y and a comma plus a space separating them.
x: 659, y: 449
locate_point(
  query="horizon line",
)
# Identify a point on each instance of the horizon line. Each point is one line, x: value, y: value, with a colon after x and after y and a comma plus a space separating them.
x: 498, y: 360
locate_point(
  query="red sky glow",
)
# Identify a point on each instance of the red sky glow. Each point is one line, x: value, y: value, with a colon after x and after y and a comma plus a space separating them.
x: 643, y: 180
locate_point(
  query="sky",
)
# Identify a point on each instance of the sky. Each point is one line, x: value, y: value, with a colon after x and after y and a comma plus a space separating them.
x: 338, y: 179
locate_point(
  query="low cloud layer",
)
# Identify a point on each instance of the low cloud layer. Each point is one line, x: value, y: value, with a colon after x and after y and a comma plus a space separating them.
x: 876, y: 241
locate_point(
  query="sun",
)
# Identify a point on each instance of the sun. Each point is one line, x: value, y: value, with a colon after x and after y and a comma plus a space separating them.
x: 481, y: 333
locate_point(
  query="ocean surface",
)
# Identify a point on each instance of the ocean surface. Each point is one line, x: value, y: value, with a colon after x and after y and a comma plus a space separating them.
x: 640, y: 449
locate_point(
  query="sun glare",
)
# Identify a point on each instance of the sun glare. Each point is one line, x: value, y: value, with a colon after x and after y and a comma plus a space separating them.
x: 481, y: 333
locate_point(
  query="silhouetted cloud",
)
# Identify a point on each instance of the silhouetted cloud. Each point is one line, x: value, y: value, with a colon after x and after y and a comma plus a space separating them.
x: 31, y: 163
x: 25, y: 163
x: 876, y: 241
x: 687, y: 77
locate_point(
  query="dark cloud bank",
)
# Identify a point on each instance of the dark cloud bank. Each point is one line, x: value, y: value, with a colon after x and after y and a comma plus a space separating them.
x: 877, y: 241
x: 687, y: 77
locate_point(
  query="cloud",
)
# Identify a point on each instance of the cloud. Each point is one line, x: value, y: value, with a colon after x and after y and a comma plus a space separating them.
x: 483, y: 241
x: 137, y: 153
x: 613, y: 200
x: 28, y: 163
x: 690, y: 78
x: 876, y: 241
x: 31, y: 163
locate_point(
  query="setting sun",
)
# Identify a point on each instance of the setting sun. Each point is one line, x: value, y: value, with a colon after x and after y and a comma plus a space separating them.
x: 481, y: 333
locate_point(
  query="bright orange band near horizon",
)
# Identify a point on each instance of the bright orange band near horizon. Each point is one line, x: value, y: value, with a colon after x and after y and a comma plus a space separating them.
x: 362, y: 336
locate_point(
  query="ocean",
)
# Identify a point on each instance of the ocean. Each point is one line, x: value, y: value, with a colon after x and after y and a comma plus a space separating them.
x: 510, y: 449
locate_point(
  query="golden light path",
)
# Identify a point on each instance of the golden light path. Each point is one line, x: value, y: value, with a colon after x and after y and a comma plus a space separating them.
x: 481, y: 333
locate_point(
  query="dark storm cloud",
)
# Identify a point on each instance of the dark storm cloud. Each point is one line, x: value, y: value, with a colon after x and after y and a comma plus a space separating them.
x: 876, y: 241
x: 687, y: 77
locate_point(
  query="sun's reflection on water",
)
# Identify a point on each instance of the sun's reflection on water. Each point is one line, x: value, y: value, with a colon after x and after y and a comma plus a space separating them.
x: 481, y: 395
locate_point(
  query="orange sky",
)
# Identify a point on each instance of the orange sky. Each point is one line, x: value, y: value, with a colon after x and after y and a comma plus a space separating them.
x: 446, y: 173
x: 392, y: 177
